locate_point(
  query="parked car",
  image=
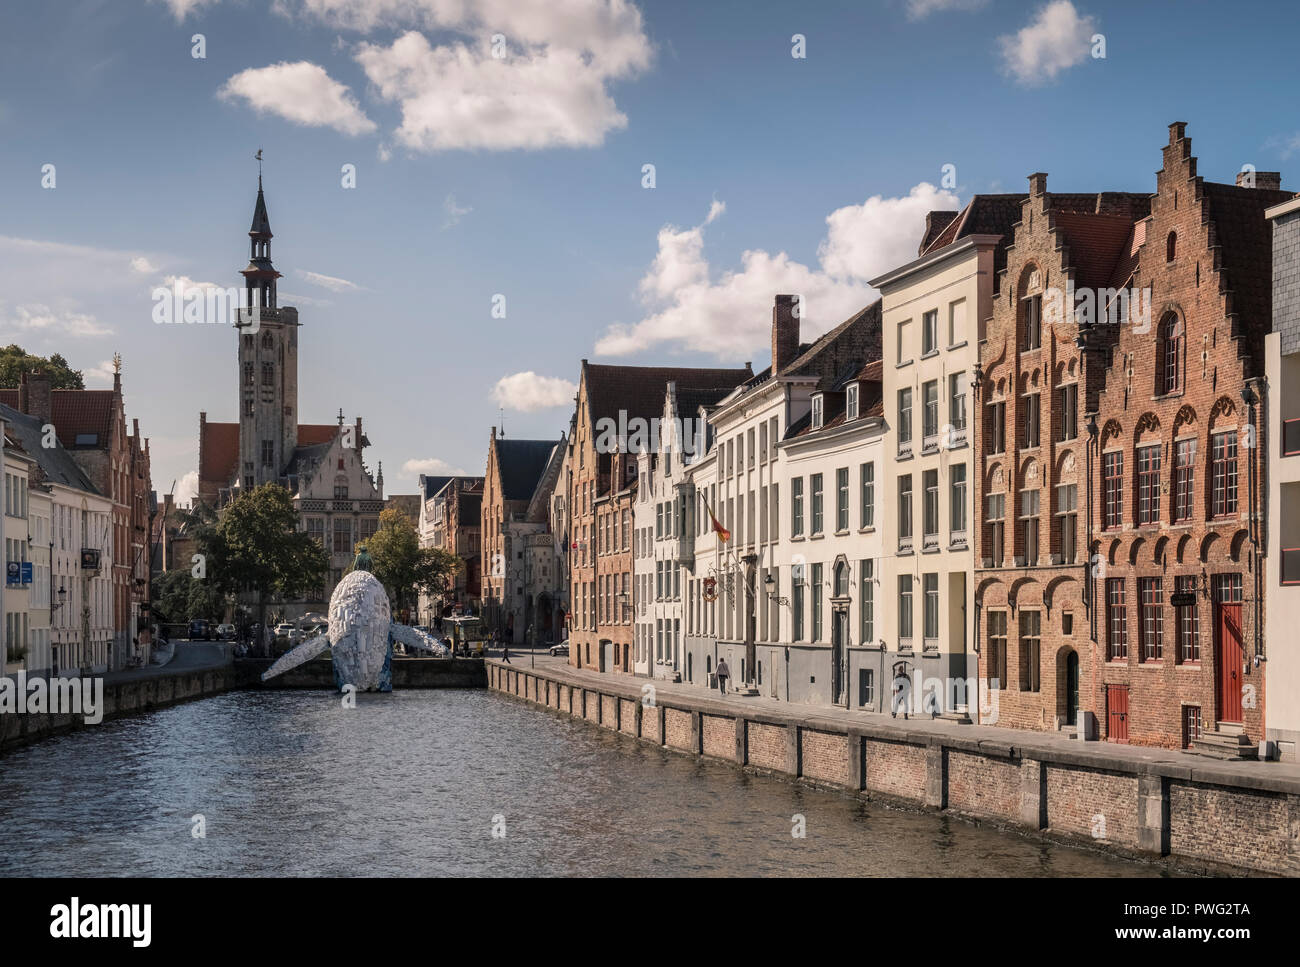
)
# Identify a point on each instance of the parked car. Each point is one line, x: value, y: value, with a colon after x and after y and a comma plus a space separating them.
x: 287, y: 630
x: 561, y: 649
x: 225, y: 632
x: 200, y: 630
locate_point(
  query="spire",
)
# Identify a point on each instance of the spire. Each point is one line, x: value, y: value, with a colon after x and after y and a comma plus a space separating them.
x: 260, y: 275
x: 261, y: 221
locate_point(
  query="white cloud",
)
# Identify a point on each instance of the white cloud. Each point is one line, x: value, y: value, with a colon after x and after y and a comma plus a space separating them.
x: 36, y: 318
x: 142, y: 265
x: 528, y: 392
x: 920, y: 9
x: 183, y: 8
x: 329, y: 282
x: 1057, y: 39
x: 431, y: 467
x: 99, y: 376
x: 187, y: 488
x: 301, y: 92
x: 731, y: 317
x: 454, y: 211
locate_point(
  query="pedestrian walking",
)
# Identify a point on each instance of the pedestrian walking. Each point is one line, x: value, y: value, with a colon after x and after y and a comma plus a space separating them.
x: 723, y: 674
x: 505, y: 652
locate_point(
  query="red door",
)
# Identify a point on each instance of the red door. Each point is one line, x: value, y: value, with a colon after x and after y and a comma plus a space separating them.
x: 1229, y: 662
x: 1117, y: 713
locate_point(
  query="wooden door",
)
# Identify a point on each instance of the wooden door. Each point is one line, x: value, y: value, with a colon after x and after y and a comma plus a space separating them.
x: 1229, y: 662
x: 1117, y: 713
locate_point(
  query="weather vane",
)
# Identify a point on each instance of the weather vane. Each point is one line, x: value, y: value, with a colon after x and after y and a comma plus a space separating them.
x: 258, y: 156
x: 117, y: 362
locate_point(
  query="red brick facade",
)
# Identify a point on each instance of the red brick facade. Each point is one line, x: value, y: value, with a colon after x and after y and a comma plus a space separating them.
x: 1164, y: 458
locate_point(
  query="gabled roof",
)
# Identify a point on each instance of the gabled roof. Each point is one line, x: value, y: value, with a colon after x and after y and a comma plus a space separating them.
x: 835, y: 356
x: 55, y: 462
x: 76, y: 413
x: 639, y: 390
x: 983, y: 215
x: 520, y: 464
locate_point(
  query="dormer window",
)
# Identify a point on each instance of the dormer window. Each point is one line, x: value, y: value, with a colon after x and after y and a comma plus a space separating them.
x: 851, y: 402
x: 817, y: 412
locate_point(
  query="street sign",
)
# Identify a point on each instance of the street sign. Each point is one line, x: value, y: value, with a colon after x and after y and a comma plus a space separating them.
x: 1182, y: 599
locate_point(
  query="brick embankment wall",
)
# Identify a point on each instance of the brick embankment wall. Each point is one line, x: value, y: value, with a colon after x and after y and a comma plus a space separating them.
x: 120, y: 698
x: 407, y: 673
x: 1199, y: 814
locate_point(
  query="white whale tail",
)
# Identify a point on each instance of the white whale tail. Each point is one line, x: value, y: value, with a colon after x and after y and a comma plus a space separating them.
x: 300, y: 655
x: 414, y: 638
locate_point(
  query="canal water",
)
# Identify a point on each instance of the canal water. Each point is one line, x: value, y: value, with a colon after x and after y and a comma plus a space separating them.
x: 290, y: 783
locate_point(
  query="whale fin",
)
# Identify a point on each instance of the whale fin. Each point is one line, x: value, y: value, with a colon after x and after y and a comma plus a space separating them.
x: 418, y: 640
x: 302, y: 654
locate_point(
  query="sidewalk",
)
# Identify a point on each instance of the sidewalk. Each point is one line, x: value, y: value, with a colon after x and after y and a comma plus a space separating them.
x: 1248, y: 774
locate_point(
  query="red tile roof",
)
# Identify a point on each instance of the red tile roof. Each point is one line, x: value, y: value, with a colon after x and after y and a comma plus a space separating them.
x: 1097, y: 245
x: 220, y: 447
x: 75, y: 412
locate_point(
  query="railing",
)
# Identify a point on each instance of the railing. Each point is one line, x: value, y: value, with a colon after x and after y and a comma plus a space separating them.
x: 1291, y: 437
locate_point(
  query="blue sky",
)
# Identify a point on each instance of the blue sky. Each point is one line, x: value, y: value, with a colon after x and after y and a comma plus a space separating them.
x: 521, y: 175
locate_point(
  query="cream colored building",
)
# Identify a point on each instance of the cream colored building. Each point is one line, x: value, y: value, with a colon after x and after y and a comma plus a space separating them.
x: 933, y: 315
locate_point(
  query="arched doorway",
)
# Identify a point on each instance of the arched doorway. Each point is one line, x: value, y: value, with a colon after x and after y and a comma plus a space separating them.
x: 1067, y: 692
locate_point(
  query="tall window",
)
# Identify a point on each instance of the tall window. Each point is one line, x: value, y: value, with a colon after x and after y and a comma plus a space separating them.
x: 957, y: 323
x: 868, y: 476
x: 796, y: 507
x: 817, y: 602
x: 957, y: 499
x: 815, y: 485
x: 1029, y: 525
x: 1031, y: 631
x: 268, y: 453
x: 1148, y: 470
x: 1067, y: 505
x: 1031, y: 419
x: 904, y: 419
x: 957, y: 407
x: 997, y: 534
x: 1224, y: 473
x: 905, y: 509
x: 1113, y: 489
x: 997, y: 427
x: 1116, y: 621
x: 930, y: 587
x: 1032, y: 309
x: 817, y: 412
x: 796, y: 602
x: 995, y: 663
x: 930, y: 411
x: 851, y: 402
x: 867, y: 601
x: 1188, y: 625
x: 248, y: 374
x: 842, y: 499
x: 930, y: 508
x: 905, y: 610
x: 268, y: 374
x: 1153, y: 619
x: 1184, y: 478
x: 1070, y: 411
x: 1171, y: 355
x: 930, y: 331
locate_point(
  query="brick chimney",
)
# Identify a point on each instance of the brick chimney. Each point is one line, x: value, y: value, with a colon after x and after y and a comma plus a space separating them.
x: 34, y: 397
x: 785, y: 331
x: 1038, y: 183
x: 1270, y: 180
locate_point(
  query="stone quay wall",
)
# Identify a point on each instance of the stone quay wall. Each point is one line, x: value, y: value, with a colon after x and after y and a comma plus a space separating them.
x: 1200, y: 815
x: 120, y: 698
x: 407, y: 673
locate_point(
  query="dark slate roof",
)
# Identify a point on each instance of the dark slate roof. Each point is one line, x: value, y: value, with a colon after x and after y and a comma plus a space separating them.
x: 1245, y: 240
x: 261, y: 222
x: 983, y: 215
x: 521, y: 464
x: 55, y: 462
x: 432, y: 485
x: 835, y: 355
x: 640, y: 390
x: 75, y: 412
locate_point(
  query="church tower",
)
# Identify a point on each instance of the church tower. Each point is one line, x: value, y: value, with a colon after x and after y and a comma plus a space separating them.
x: 268, y: 363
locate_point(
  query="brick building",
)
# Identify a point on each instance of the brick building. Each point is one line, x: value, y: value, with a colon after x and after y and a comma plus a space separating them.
x: 518, y: 553
x: 451, y: 519
x: 613, y: 401
x: 1153, y: 453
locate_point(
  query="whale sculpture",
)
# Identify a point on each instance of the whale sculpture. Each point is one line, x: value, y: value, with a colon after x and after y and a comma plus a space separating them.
x: 360, y: 634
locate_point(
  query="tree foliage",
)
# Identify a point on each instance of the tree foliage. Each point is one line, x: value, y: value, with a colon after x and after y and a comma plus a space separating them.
x: 404, y: 567
x: 14, y: 361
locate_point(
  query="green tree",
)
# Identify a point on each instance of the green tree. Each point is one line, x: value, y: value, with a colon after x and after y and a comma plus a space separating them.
x: 404, y: 567
x: 254, y: 545
x: 14, y: 361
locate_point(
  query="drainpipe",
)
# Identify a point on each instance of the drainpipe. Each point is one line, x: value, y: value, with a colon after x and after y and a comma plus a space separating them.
x: 1250, y: 398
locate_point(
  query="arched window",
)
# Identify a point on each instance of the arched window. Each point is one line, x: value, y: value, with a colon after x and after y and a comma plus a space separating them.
x: 841, y: 580
x: 1170, y: 357
x: 1171, y: 246
x: 267, y: 341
